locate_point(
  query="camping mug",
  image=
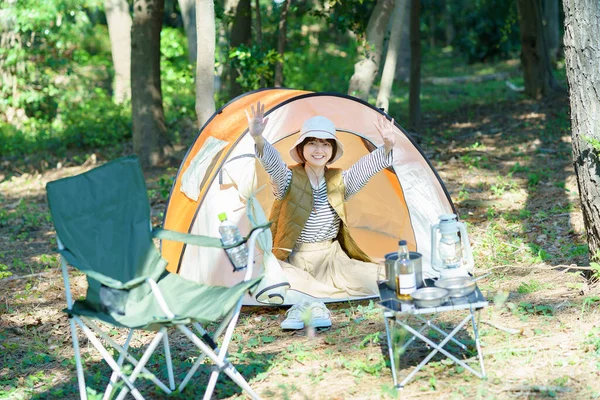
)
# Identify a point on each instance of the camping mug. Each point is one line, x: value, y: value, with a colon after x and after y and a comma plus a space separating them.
x: 390, y: 260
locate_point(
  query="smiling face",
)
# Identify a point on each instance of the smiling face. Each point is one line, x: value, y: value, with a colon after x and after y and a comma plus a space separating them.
x: 317, y: 152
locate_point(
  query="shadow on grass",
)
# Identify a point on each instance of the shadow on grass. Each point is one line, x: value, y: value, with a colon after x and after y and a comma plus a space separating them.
x: 97, y: 375
x: 409, y: 351
x: 499, y: 150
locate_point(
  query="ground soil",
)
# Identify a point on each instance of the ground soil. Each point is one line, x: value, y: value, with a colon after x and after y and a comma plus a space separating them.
x: 508, y: 169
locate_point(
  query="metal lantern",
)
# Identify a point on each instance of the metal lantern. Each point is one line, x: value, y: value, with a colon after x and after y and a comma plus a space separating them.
x: 451, y: 251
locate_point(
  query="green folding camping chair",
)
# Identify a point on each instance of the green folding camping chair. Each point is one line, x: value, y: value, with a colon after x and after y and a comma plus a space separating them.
x: 102, y: 221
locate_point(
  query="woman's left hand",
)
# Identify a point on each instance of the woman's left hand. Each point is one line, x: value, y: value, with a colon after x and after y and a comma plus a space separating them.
x: 386, y: 130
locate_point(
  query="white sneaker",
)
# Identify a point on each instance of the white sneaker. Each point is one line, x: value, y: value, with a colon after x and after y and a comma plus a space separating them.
x: 295, y: 316
x: 320, y: 316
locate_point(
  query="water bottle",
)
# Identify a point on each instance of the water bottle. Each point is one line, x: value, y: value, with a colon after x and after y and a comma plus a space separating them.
x: 230, y: 234
x: 406, y: 282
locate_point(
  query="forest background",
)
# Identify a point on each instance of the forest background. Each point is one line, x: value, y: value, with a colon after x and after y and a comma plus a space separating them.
x: 494, y: 122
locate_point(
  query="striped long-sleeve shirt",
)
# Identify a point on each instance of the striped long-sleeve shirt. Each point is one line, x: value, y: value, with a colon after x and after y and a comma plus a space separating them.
x: 323, y: 222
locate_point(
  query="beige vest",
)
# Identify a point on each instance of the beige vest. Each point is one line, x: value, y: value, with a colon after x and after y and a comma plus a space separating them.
x: 289, y: 215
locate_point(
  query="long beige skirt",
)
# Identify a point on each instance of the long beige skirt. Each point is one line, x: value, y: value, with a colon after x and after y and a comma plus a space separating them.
x: 324, y: 270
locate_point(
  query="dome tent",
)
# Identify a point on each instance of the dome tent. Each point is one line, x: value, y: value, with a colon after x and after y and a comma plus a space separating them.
x: 220, y: 174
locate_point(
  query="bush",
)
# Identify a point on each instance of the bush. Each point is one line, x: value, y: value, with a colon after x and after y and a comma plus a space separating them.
x: 97, y: 122
x: 486, y: 29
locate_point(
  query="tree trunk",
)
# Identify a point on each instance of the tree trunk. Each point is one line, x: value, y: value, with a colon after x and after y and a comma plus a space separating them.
x: 449, y: 30
x: 365, y: 70
x: 403, y: 63
x: 551, y: 28
x: 241, y: 33
x: 537, y: 70
x: 118, y: 20
x: 432, y: 20
x: 582, y: 57
x: 188, y: 14
x: 222, y: 49
x: 391, y: 58
x: 281, y: 41
x: 414, y: 96
x: 259, y: 21
x: 205, y: 65
x: 149, y: 130
x: 259, y: 35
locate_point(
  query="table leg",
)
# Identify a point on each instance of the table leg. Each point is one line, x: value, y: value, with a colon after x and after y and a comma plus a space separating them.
x: 390, y: 349
x: 437, y: 347
x: 436, y: 328
x: 388, y: 330
x: 477, y: 342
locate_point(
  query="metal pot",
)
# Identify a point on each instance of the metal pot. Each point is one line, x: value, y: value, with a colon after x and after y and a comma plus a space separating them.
x: 458, y: 286
x: 390, y: 260
x: 429, y: 297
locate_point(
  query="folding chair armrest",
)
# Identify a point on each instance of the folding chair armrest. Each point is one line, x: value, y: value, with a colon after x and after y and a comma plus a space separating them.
x: 199, y: 240
x: 103, y: 279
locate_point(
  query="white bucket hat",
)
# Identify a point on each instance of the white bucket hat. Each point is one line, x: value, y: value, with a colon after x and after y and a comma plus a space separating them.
x: 321, y: 128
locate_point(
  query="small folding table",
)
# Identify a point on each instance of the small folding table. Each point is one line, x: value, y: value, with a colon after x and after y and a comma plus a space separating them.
x: 397, y: 312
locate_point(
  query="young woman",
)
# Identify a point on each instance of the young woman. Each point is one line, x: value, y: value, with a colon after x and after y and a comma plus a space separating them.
x: 310, y: 232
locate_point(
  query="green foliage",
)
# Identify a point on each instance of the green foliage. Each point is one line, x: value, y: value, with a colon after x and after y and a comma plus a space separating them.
x: 532, y: 286
x: 595, y: 143
x: 539, y: 309
x: 485, y: 29
x: 347, y: 15
x: 254, y: 66
x: 311, y: 68
x: 4, y: 272
x: 177, y: 76
x: 45, y: 37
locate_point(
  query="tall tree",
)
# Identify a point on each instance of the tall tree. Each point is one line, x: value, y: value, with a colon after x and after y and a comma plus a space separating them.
x: 281, y: 42
x: 149, y: 129
x: 551, y: 28
x: 414, y: 95
x: 241, y: 33
x: 391, y: 57
x: 582, y: 57
x: 205, y: 64
x: 188, y: 14
x: 537, y: 69
x: 449, y: 30
x: 118, y: 20
x: 365, y: 70
x: 403, y: 63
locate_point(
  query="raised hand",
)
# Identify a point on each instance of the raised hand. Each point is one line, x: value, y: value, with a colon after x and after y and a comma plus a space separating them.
x: 386, y: 130
x: 256, y: 120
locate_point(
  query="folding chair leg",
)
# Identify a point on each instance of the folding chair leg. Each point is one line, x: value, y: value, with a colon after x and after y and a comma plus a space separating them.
x: 128, y: 356
x: 138, y: 368
x: 80, y: 376
x: 212, y: 382
x: 169, y: 362
x: 113, y: 377
x: 202, y: 356
x: 108, y: 358
x: 227, y: 367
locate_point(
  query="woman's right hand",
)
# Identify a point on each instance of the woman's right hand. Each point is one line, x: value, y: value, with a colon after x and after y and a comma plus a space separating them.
x: 256, y: 120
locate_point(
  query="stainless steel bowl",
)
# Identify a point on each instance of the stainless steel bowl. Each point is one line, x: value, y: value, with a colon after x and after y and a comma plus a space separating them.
x: 429, y: 297
x: 458, y: 286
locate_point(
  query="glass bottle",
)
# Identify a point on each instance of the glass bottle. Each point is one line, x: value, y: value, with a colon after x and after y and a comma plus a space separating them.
x: 406, y: 282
